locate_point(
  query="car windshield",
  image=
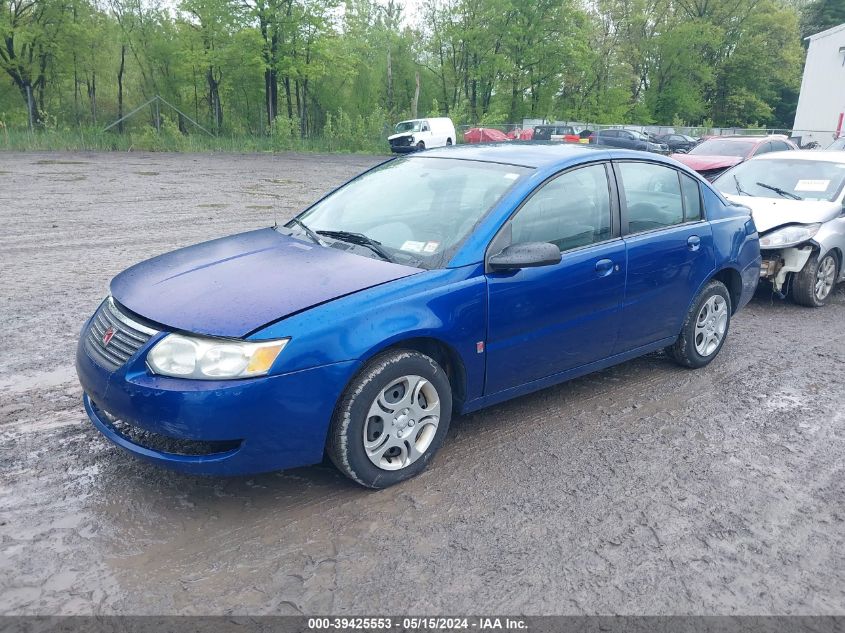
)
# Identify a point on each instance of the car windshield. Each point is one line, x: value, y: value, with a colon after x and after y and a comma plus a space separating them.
x: 805, y: 179
x: 721, y: 147
x: 416, y: 208
x: 408, y: 126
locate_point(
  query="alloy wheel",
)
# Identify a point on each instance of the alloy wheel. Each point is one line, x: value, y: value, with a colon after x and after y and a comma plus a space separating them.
x: 401, y: 423
x: 825, y: 278
x: 711, y: 325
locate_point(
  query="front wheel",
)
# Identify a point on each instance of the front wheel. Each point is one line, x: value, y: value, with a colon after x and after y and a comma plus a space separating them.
x: 391, y: 419
x: 705, y: 327
x: 813, y: 285
x: 420, y: 146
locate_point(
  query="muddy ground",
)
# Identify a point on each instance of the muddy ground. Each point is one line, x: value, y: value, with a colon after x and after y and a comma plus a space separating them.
x: 644, y: 489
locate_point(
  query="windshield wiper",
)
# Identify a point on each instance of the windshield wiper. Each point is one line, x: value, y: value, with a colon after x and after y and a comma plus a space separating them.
x: 360, y: 239
x: 311, y: 234
x: 739, y: 188
x: 779, y: 191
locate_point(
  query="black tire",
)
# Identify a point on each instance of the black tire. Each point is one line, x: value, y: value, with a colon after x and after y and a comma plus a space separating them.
x: 345, y: 443
x: 684, y: 351
x: 448, y: 142
x: 804, y: 282
x: 420, y: 146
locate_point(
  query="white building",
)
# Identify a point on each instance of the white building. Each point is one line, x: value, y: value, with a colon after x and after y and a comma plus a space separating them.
x: 821, y: 104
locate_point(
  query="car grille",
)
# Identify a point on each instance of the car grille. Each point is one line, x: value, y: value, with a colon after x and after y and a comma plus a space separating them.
x: 127, y: 336
x: 165, y: 443
x: 402, y: 141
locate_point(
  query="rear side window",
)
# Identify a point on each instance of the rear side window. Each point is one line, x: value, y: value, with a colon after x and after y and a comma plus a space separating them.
x: 692, y: 198
x: 571, y: 211
x: 780, y: 146
x: 652, y: 196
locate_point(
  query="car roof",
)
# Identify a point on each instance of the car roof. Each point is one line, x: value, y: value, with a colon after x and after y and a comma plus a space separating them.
x: 833, y: 156
x: 528, y: 154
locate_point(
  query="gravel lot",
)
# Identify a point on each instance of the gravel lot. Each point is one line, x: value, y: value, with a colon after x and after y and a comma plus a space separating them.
x: 643, y: 489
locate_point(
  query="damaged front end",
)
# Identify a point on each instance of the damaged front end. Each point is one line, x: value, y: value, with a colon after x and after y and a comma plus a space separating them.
x: 786, y: 250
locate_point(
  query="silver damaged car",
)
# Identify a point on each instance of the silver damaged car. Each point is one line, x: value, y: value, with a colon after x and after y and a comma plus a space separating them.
x: 797, y: 200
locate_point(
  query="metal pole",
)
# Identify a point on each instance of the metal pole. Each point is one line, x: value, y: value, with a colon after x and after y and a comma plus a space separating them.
x: 158, y: 115
x: 170, y: 105
x: 123, y: 118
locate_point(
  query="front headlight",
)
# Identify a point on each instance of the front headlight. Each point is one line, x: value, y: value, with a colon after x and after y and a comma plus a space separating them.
x: 789, y: 235
x: 183, y: 356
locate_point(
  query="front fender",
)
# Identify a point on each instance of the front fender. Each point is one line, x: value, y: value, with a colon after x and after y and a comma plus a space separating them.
x: 446, y: 305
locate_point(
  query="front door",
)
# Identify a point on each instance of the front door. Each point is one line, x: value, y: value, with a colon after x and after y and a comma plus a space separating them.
x: 542, y: 321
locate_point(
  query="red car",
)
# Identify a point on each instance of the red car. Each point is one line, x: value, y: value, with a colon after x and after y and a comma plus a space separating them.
x: 716, y: 154
x: 484, y: 135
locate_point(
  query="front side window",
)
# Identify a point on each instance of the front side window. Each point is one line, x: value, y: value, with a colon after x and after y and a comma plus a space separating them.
x: 571, y: 211
x: 416, y: 208
x: 652, y: 196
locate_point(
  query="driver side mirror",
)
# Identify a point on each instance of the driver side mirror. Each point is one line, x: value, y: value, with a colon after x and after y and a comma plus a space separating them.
x: 527, y: 255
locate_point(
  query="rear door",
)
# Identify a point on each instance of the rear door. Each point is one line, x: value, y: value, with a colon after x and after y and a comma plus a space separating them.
x: 546, y: 320
x: 669, y: 250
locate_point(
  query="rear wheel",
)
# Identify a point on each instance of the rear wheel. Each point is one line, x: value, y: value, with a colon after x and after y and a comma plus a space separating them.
x: 813, y: 285
x: 448, y: 141
x: 705, y: 327
x: 391, y: 420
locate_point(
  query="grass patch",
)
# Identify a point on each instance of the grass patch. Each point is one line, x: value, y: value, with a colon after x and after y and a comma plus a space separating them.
x: 147, y: 139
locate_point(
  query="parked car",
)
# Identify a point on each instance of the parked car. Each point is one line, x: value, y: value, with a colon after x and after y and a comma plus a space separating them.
x: 798, y: 203
x: 484, y: 135
x: 627, y: 139
x: 837, y: 145
x: 518, y: 134
x: 420, y: 134
x: 565, y: 133
x: 679, y: 143
x: 431, y: 285
x: 716, y: 154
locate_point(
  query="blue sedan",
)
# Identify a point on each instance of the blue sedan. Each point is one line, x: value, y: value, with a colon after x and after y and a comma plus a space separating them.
x: 431, y: 285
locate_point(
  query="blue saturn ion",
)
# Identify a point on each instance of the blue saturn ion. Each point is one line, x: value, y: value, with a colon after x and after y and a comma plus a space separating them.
x: 431, y: 285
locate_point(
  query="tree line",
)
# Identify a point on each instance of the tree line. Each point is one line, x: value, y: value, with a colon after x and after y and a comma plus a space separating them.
x: 326, y: 67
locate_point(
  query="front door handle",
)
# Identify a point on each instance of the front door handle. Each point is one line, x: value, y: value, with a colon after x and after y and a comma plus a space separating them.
x: 604, y: 267
x: 693, y: 242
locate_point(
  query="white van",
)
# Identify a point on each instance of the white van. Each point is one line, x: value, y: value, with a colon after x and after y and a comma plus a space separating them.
x: 419, y: 134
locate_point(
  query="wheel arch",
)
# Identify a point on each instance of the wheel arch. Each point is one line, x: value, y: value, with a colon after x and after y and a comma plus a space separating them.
x: 445, y: 355
x: 733, y: 282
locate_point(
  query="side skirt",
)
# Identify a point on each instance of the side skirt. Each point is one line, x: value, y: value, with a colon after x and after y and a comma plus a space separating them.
x: 569, y: 374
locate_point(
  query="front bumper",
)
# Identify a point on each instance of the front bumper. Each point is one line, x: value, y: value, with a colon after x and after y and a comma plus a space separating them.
x: 403, y: 149
x: 241, y: 426
x: 777, y: 264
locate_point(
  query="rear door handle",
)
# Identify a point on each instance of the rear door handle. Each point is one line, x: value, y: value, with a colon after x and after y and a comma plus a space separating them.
x: 693, y: 242
x: 604, y: 267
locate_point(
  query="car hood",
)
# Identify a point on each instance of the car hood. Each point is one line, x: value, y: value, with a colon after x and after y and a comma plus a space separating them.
x: 234, y: 285
x: 770, y: 213
x: 703, y: 163
x: 400, y: 135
